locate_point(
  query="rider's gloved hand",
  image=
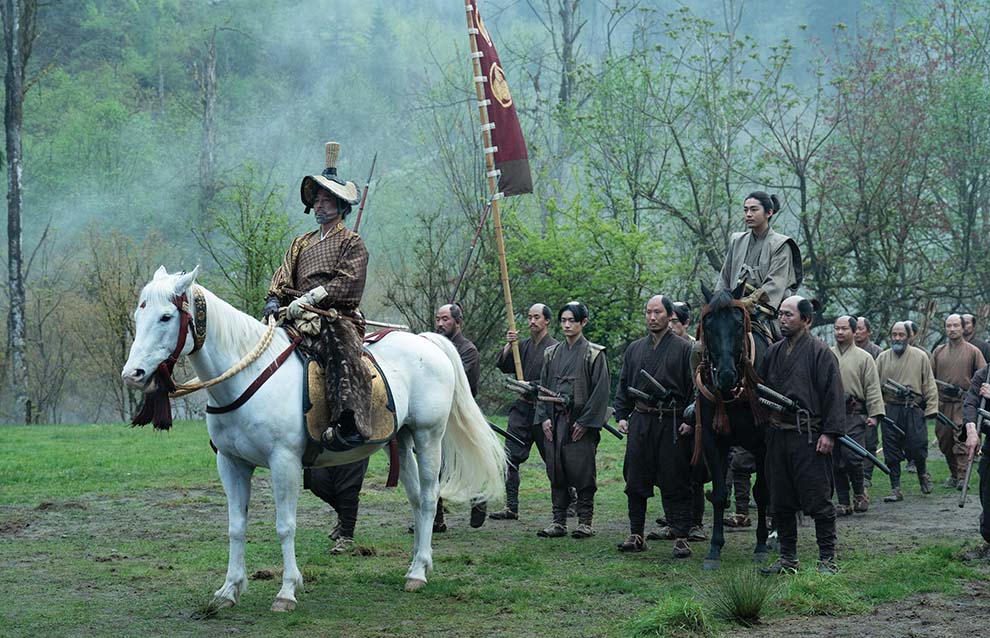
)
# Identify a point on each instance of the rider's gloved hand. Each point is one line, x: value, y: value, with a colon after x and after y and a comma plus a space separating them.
x: 312, y: 298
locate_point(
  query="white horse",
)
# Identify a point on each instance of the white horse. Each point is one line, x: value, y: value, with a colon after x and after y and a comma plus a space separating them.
x: 439, y: 422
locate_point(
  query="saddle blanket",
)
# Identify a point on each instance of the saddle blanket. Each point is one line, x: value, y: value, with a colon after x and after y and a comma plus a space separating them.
x: 383, y: 419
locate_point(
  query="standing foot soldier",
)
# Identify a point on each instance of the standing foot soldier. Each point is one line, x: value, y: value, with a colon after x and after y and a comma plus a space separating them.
x: 803, y: 370
x: 910, y: 396
x: 576, y: 371
x: 340, y: 487
x: 521, y: 412
x: 864, y: 341
x: 953, y: 364
x: 329, y: 266
x: 976, y: 398
x: 655, y: 386
x: 864, y: 407
x: 742, y: 466
x: 969, y: 334
x: 448, y: 321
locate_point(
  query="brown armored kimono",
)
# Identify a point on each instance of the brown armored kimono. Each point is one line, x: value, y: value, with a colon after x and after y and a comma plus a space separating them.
x: 337, y: 261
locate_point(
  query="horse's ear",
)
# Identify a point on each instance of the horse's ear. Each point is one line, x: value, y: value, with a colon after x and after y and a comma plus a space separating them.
x: 185, y: 280
x: 706, y: 293
x: 161, y: 272
x: 737, y: 293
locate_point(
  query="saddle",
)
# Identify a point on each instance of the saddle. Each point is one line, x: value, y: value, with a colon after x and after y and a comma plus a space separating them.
x: 383, y: 422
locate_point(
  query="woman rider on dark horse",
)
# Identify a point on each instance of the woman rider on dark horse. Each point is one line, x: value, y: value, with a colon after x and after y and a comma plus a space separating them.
x: 761, y: 268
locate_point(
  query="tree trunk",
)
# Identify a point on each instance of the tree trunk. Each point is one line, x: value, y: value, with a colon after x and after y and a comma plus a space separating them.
x: 13, y: 117
x: 207, y: 153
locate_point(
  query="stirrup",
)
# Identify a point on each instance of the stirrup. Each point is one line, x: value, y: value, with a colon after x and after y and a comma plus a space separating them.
x: 334, y: 441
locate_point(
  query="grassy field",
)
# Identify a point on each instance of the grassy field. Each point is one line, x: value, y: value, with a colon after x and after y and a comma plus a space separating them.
x: 109, y: 530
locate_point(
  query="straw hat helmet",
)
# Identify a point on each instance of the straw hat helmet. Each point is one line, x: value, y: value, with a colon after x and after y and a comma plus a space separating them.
x: 328, y: 181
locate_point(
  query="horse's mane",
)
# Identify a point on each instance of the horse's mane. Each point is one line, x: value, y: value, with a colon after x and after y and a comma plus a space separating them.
x: 720, y: 301
x: 229, y: 329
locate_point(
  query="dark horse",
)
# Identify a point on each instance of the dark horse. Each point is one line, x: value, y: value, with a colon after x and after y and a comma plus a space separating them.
x: 729, y: 411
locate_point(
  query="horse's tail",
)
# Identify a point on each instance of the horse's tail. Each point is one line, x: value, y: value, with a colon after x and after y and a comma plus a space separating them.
x: 473, y: 467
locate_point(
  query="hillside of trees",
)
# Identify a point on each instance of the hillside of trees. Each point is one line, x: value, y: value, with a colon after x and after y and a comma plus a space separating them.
x: 176, y: 132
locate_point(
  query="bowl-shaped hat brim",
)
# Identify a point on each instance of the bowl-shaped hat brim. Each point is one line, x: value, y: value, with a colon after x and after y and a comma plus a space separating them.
x: 347, y: 191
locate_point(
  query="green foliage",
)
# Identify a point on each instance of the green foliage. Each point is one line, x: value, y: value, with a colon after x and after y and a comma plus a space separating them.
x: 674, y: 616
x: 588, y: 255
x: 246, y: 236
x: 741, y: 595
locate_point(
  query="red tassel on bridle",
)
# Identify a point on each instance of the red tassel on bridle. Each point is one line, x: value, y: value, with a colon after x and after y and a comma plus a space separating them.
x: 157, y: 408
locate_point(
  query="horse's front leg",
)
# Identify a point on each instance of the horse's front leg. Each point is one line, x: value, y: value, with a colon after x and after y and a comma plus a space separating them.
x: 717, y: 457
x: 236, y: 478
x: 428, y: 463
x: 286, y: 472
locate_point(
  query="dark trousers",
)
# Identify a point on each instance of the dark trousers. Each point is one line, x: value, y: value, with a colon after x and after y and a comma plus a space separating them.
x: 657, y: 456
x: 984, y: 471
x: 800, y: 480
x: 520, y: 426
x: 953, y: 449
x: 872, y: 442
x: 572, y: 464
x: 340, y: 488
x: 912, y: 445
x: 742, y: 466
x: 848, y: 467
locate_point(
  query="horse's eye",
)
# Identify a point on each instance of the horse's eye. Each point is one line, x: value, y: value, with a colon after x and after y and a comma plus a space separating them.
x: 165, y: 317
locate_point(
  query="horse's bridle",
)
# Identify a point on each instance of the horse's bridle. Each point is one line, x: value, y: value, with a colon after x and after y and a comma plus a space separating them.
x: 747, y: 352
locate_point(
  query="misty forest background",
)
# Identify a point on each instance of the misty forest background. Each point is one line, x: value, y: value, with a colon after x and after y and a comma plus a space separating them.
x: 176, y: 132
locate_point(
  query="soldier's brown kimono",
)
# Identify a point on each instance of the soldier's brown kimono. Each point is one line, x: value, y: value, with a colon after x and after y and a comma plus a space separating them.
x: 655, y: 453
x: 803, y: 369
x: 954, y: 363
x: 521, y: 413
x: 470, y: 359
x: 912, y: 369
x: 863, y: 399
x: 580, y: 372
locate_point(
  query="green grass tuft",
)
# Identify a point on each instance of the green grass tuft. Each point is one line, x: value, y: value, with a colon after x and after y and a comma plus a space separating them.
x: 741, y: 595
x: 673, y: 616
x: 812, y: 594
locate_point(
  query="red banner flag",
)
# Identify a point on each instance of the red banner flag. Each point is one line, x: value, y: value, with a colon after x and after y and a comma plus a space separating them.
x: 510, y: 153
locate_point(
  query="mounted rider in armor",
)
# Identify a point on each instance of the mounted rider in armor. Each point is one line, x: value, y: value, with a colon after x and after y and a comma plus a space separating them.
x: 326, y: 269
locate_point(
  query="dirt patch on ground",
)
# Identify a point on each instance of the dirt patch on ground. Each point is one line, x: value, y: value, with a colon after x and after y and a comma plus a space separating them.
x: 923, y: 616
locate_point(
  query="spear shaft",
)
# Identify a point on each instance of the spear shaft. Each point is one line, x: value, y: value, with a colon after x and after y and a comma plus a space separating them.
x: 364, y: 195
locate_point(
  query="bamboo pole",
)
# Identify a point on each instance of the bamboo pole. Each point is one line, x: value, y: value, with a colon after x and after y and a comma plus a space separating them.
x: 493, y: 188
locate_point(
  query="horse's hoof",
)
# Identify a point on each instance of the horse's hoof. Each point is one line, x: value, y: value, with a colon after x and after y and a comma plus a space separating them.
x: 712, y: 564
x: 283, y: 604
x: 760, y: 558
x: 222, y: 602
x: 415, y: 584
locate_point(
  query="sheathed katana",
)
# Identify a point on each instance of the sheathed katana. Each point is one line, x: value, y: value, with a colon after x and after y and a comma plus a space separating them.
x: 549, y: 396
x: 844, y: 439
